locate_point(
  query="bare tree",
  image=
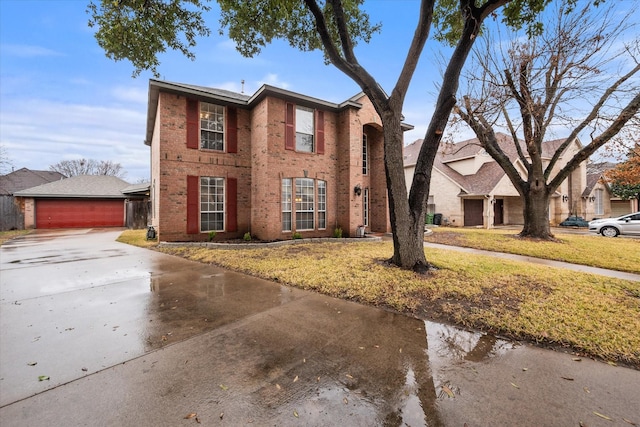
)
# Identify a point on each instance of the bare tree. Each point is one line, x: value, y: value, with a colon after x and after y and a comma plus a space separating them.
x: 5, y: 161
x: 88, y: 167
x: 570, y: 76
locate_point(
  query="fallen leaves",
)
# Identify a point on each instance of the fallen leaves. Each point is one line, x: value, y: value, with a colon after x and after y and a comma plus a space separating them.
x: 224, y: 387
x: 602, y: 416
x: 447, y: 390
x: 43, y: 378
x: 193, y: 415
x: 515, y: 385
x: 32, y: 363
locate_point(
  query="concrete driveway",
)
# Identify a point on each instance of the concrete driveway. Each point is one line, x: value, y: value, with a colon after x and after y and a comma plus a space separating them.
x: 130, y: 337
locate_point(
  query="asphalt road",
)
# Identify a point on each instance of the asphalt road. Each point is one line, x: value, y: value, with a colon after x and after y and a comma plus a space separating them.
x: 98, y: 333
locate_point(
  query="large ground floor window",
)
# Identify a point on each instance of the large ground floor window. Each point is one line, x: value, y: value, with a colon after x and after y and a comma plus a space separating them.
x: 304, y: 203
x: 211, y: 204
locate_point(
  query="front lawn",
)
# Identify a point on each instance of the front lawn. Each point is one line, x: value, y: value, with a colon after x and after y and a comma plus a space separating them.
x: 620, y: 254
x: 588, y: 314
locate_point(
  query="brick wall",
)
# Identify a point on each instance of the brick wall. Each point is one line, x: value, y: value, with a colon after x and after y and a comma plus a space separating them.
x: 260, y: 165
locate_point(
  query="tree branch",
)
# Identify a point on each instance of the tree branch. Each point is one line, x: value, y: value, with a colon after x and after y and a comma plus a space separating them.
x: 591, y: 116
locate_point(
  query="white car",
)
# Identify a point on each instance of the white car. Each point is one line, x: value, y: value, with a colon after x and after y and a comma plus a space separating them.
x: 611, y: 227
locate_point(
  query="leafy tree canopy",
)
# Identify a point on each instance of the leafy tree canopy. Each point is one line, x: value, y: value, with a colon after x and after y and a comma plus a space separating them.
x: 140, y: 30
x: 624, y: 179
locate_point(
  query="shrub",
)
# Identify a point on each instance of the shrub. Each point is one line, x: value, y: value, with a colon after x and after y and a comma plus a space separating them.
x: 212, y: 235
x: 297, y: 235
x: 337, y: 233
x: 247, y: 237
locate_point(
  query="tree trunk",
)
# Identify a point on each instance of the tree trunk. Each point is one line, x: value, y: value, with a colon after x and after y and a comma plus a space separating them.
x: 407, y: 226
x: 536, y: 213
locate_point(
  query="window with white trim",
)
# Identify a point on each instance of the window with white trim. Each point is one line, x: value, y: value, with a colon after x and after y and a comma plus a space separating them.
x: 305, y: 204
x: 286, y: 204
x: 211, y: 204
x: 599, y: 208
x: 365, y: 155
x: 322, y: 204
x: 211, y: 126
x: 305, y: 127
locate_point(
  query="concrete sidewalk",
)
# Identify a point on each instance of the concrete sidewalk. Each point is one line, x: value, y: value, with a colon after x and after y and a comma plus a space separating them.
x: 131, y: 337
x: 540, y: 261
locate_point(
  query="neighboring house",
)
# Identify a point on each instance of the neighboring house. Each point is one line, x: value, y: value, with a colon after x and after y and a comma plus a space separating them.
x: 11, y: 217
x: 468, y: 188
x: 76, y: 202
x: 273, y: 164
x: 597, y: 196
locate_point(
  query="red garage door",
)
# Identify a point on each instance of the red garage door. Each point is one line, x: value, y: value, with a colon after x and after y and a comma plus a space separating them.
x: 69, y: 213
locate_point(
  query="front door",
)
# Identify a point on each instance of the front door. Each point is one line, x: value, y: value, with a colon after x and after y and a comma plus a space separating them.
x: 498, y: 212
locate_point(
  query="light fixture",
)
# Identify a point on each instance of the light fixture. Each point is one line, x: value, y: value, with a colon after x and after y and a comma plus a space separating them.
x: 357, y: 190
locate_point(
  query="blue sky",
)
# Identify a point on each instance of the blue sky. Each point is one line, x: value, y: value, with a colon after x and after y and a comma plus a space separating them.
x: 61, y: 98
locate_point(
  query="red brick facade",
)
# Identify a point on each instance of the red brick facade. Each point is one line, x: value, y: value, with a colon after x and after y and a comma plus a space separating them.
x: 256, y: 129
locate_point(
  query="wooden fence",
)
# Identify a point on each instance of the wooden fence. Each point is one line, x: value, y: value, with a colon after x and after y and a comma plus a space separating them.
x: 11, y: 218
x: 137, y: 213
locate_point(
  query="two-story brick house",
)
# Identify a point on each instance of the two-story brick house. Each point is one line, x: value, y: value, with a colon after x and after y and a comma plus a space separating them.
x: 272, y: 164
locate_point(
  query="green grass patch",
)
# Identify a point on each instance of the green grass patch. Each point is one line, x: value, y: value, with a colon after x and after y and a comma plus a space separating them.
x: 12, y: 234
x: 596, y: 251
x: 136, y: 238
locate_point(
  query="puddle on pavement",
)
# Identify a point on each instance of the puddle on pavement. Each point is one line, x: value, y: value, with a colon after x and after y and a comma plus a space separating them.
x: 376, y: 366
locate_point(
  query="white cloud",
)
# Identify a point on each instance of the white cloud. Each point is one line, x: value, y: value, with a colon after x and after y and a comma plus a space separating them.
x: 27, y: 51
x: 38, y: 133
x: 273, y: 80
x: 130, y: 94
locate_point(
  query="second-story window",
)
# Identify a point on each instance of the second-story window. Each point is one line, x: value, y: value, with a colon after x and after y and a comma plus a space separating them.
x: 211, y: 126
x: 304, y: 129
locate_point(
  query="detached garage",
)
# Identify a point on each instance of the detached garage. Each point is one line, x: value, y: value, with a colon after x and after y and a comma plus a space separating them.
x: 78, y: 202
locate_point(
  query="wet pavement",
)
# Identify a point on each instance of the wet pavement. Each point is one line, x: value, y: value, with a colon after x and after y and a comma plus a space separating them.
x: 128, y: 336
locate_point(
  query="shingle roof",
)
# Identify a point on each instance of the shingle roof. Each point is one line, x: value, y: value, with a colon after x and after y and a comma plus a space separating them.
x: 26, y: 178
x: 489, y: 174
x: 82, y: 186
x: 137, y: 188
x: 594, y: 173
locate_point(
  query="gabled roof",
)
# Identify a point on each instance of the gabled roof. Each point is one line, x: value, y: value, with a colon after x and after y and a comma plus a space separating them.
x: 488, y: 176
x: 594, y: 173
x: 81, y: 186
x: 26, y: 178
x: 240, y: 100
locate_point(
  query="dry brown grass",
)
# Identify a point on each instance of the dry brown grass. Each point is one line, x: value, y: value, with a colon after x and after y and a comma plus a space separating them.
x: 619, y: 254
x: 12, y: 234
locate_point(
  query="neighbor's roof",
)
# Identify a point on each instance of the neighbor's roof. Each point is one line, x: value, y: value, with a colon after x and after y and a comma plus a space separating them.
x: 135, y: 189
x: 594, y: 173
x: 26, y: 178
x: 489, y: 174
x: 240, y: 100
x: 82, y: 186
